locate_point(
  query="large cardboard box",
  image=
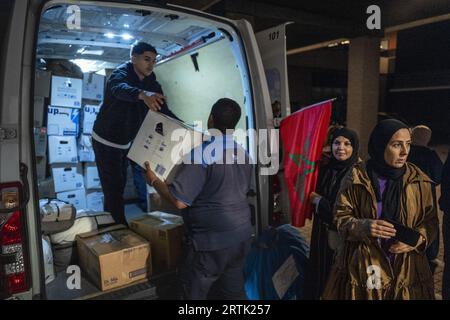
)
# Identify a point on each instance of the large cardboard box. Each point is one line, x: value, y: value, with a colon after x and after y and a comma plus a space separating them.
x: 40, y: 141
x: 89, y: 115
x: 91, y: 178
x: 93, y: 86
x: 67, y: 177
x: 114, y: 257
x: 85, y: 149
x: 162, y: 141
x: 38, y: 111
x: 165, y: 234
x: 42, y: 83
x: 62, y: 149
x: 63, y: 121
x: 94, y: 200
x: 66, y: 92
x: 75, y: 197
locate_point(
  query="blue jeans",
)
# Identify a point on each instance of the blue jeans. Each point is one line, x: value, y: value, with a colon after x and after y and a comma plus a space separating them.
x: 446, y: 276
x: 140, y: 184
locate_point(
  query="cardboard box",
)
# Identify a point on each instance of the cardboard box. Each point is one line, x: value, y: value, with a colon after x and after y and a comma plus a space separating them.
x: 114, y: 257
x: 67, y: 177
x: 63, y: 121
x: 75, y: 197
x: 93, y: 86
x: 154, y: 144
x: 94, y: 200
x: 85, y: 149
x: 40, y: 141
x: 62, y: 149
x: 165, y: 234
x: 38, y: 111
x: 89, y: 115
x: 91, y: 178
x: 42, y: 83
x: 66, y: 92
x: 41, y: 168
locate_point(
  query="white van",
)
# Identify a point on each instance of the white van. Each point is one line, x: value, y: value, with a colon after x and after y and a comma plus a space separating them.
x: 201, y: 58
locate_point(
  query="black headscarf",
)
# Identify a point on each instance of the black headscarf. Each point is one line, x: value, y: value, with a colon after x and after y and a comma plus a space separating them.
x: 378, y: 168
x: 331, y: 175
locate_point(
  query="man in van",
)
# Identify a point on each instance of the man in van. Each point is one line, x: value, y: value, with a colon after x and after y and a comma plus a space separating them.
x: 211, y: 189
x: 130, y: 91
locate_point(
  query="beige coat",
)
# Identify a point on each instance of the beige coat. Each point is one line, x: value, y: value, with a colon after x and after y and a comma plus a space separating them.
x: 360, y: 258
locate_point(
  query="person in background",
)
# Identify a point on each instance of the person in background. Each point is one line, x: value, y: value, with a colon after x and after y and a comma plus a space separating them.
x: 344, y: 147
x: 380, y: 197
x: 429, y: 162
x: 212, y: 194
x: 130, y: 92
x: 444, y: 203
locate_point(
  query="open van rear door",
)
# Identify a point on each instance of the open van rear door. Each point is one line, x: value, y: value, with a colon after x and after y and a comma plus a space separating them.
x: 272, y: 44
x: 19, y: 240
x: 263, y: 118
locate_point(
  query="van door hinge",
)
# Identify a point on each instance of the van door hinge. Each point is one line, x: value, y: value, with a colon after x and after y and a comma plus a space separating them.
x: 8, y: 133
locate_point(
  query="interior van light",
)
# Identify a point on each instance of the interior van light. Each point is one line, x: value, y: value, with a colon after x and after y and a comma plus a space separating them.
x: 126, y: 25
x: 127, y: 36
x: 109, y: 35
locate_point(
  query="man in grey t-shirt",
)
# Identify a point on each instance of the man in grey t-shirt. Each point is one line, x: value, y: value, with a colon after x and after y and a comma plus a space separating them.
x: 212, y: 192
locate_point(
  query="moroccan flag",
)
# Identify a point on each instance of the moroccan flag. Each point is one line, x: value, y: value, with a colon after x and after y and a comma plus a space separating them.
x: 303, y: 135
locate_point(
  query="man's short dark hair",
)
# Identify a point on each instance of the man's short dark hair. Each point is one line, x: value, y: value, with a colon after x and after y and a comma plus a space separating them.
x: 141, y: 47
x: 226, y: 114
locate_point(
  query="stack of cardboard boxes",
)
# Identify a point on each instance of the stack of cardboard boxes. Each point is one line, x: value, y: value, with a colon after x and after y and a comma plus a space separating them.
x: 115, y: 256
x: 63, y: 138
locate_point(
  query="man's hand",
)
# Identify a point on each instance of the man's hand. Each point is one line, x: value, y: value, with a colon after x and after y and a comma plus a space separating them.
x: 149, y: 175
x: 153, y: 101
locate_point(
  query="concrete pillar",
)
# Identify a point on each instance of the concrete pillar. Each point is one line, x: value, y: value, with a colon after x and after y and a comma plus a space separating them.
x: 363, y: 87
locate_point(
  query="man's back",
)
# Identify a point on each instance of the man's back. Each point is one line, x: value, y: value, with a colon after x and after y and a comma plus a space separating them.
x: 218, y: 214
x: 427, y: 160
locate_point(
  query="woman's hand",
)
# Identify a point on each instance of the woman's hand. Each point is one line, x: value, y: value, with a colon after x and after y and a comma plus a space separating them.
x: 314, y: 197
x: 400, y: 247
x: 381, y: 229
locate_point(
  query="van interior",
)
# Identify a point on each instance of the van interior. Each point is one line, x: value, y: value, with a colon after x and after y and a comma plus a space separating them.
x: 199, y: 61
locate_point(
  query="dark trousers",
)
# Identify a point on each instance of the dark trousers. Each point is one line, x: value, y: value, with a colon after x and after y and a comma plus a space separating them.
x: 214, y: 274
x: 112, y: 170
x: 446, y: 275
x: 140, y: 184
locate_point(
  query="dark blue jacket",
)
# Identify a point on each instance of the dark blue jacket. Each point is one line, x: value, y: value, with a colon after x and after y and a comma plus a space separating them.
x: 444, y: 201
x: 122, y: 113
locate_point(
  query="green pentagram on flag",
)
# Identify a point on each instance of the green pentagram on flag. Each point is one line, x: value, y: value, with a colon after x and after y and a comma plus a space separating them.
x: 305, y: 164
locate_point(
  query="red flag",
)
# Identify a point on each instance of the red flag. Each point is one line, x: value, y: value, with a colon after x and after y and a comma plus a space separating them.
x: 303, y: 135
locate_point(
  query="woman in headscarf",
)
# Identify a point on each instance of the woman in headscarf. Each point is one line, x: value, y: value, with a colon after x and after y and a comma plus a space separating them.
x: 373, y: 263
x: 344, y: 154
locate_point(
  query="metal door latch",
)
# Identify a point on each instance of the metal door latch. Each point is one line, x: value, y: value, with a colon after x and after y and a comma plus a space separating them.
x: 7, y: 133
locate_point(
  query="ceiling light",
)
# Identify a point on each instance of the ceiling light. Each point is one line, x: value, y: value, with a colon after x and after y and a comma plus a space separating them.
x: 110, y: 35
x: 127, y: 36
x: 126, y: 25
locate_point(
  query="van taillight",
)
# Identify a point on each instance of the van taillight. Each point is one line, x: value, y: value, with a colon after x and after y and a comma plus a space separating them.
x: 13, y: 273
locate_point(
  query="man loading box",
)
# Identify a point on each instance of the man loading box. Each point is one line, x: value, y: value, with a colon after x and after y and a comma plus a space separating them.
x: 212, y: 192
x: 130, y: 91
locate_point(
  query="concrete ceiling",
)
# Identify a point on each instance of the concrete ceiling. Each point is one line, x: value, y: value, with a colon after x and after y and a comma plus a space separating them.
x: 319, y: 21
